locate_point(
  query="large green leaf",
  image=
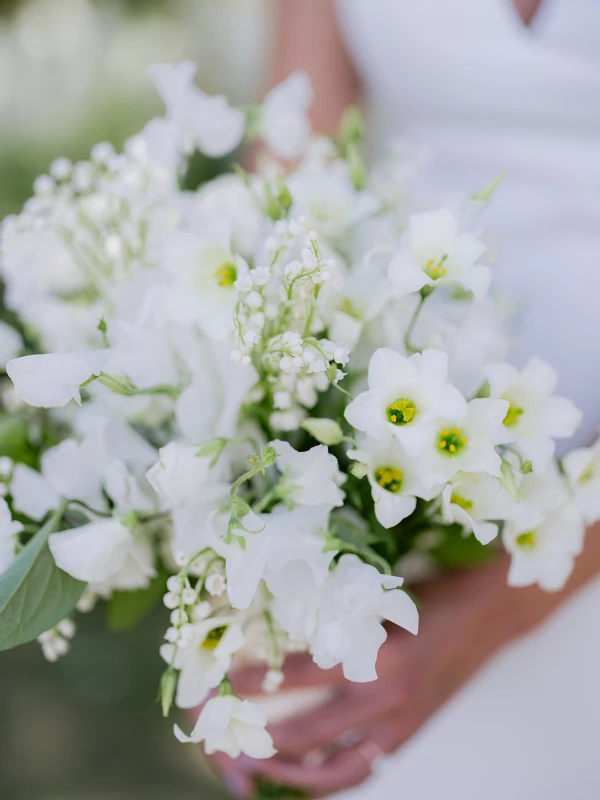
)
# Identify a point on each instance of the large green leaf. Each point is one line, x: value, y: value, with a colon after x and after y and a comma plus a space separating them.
x: 34, y: 593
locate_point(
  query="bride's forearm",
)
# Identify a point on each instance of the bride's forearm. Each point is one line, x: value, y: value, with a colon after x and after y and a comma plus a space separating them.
x: 307, y: 37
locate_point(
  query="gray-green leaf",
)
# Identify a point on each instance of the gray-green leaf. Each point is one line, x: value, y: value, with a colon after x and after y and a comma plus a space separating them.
x: 34, y: 593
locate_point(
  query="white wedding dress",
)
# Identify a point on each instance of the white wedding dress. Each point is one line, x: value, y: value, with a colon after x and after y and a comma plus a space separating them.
x: 467, y: 80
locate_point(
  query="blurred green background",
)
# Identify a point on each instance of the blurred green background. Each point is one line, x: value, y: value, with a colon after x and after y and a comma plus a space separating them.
x: 72, y: 73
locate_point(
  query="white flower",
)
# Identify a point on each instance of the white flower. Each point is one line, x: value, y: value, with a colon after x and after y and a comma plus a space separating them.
x: 105, y: 554
x: 51, y: 380
x: 473, y: 335
x: 466, y: 444
x: 395, y: 479
x: 75, y: 470
x: 544, y: 551
x: 535, y: 416
x: 8, y: 531
x: 10, y: 343
x: 436, y: 252
x: 311, y: 478
x: 582, y: 468
x: 406, y: 396
x: 198, y: 120
x: 285, y: 126
x: 205, y: 660
x: 271, y: 542
x: 32, y: 494
x: 203, y: 273
x: 233, y: 726
x: 546, y: 534
x: 473, y: 501
x: 178, y: 473
x: 355, y: 599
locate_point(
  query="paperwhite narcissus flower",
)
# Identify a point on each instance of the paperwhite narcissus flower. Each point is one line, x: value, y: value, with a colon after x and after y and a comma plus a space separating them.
x: 52, y: 379
x: 195, y: 119
x: 543, y: 550
x: 178, y: 473
x: 546, y: 534
x: 311, y: 478
x: 204, y: 273
x: 394, y: 477
x: 231, y: 725
x: 582, y: 468
x: 406, y: 397
x: 8, y: 531
x: 466, y: 444
x: 437, y: 253
x: 105, y: 554
x: 272, y: 541
x: 535, y: 416
x: 205, y: 660
x: 356, y: 597
x: 284, y: 125
x: 473, y: 500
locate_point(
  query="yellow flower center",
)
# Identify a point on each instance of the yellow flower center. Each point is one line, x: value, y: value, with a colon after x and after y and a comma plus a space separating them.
x: 588, y: 473
x: 401, y: 411
x: 226, y: 274
x: 451, y: 441
x: 389, y: 478
x: 436, y: 269
x: 513, y: 415
x: 213, y: 638
x: 461, y: 501
x: 348, y: 307
x: 526, y: 541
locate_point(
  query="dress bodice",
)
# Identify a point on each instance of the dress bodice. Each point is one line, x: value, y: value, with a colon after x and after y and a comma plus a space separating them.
x: 485, y: 94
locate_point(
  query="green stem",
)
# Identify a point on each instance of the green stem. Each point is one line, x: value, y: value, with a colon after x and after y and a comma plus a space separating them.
x: 411, y: 325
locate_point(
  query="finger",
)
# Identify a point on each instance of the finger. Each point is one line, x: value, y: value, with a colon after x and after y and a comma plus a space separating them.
x: 299, y: 671
x: 237, y: 781
x: 350, y: 711
x: 341, y: 771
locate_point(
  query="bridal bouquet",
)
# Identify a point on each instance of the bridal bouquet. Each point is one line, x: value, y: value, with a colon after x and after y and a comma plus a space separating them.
x: 262, y: 399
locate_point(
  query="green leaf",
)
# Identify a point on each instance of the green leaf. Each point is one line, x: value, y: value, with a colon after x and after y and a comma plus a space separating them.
x: 34, y: 593
x: 485, y: 193
x: 14, y: 440
x: 264, y: 789
x: 126, y: 609
x: 457, y: 551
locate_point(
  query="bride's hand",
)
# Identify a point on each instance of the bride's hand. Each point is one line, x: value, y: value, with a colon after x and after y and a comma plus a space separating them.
x: 464, y: 618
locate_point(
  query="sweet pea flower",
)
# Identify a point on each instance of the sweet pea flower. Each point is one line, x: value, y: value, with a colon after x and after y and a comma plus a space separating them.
x: 406, y: 397
x: 52, y: 379
x: 233, y: 726
x: 195, y: 119
x: 355, y: 599
x: 105, y: 554
x: 284, y: 124
x: 311, y: 478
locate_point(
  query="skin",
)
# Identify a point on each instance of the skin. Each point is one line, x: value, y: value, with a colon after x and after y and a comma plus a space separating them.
x: 465, y: 617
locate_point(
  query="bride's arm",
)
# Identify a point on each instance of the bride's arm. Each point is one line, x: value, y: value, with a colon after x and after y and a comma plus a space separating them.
x: 307, y: 37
